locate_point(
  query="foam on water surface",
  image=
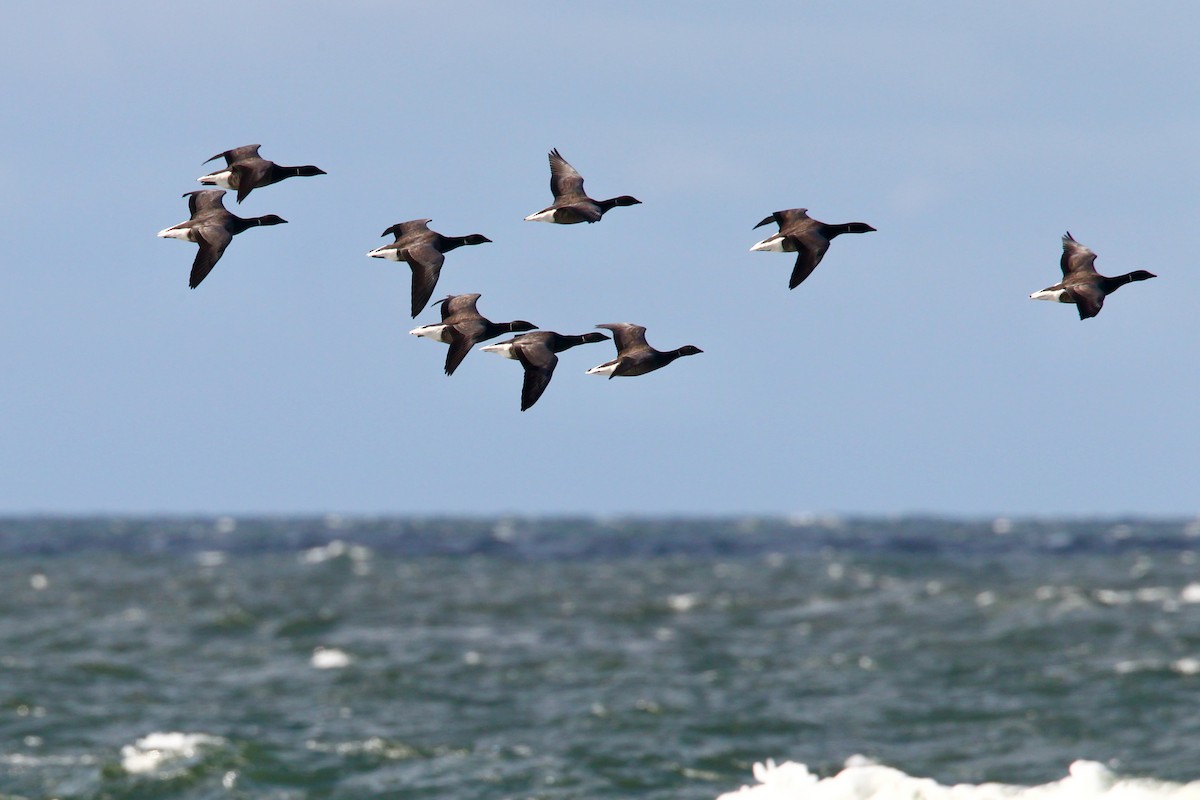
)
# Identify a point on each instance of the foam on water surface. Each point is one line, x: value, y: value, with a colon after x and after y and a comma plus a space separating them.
x: 158, y: 750
x: 329, y: 658
x: 862, y: 779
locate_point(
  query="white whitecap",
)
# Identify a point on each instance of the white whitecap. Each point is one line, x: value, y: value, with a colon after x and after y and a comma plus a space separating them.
x: 683, y: 602
x: 329, y: 658
x: 861, y: 778
x: 1114, y: 597
x: 211, y: 558
x: 1130, y: 666
x: 318, y: 555
x: 1186, y: 666
x: 158, y: 750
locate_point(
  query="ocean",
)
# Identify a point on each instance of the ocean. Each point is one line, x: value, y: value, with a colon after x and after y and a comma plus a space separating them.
x: 680, y: 659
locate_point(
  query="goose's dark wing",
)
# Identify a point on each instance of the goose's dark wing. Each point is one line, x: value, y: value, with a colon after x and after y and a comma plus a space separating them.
x: 582, y: 211
x: 785, y: 217
x: 402, y: 229
x: 1089, y: 299
x: 791, y: 216
x: 459, y: 306
x: 249, y: 174
x: 463, y: 336
x: 564, y: 180
x: 1076, y: 257
x: 444, y: 303
x: 237, y: 154
x: 539, y: 362
x: 213, y: 239
x: 626, y: 336
x: 204, y: 200
x: 426, y: 264
x: 810, y: 249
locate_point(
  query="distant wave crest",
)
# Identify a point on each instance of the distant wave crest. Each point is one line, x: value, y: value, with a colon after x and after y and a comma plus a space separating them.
x: 157, y: 751
x: 864, y: 780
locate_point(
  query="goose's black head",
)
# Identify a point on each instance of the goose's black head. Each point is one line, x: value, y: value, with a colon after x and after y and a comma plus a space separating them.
x: 689, y: 350
x: 475, y: 238
x: 1141, y: 275
x: 308, y: 170
x: 521, y: 325
x: 271, y: 219
x: 589, y: 338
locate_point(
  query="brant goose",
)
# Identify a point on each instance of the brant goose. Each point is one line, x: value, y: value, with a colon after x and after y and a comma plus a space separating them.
x: 245, y: 170
x: 462, y: 327
x: 1081, y: 284
x: 451, y: 306
x: 536, y: 352
x: 571, y: 205
x: 211, y: 227
x: 634, y: 356
x: 806, y: 237
x: 424, y: 251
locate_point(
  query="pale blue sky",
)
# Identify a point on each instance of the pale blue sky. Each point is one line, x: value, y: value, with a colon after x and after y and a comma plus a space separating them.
x: 910, y: 373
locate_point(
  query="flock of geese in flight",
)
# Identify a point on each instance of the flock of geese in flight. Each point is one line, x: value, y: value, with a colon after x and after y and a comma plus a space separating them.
x: 212, y: 227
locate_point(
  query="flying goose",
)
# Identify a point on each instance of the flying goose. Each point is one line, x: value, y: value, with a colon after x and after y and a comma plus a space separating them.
x: 424, y: 250
x: 634, y: 356
x: 245, y: 170
x: 806, y: 237
x: 1081, y: 284
x: 536, y: 352
x: 462, y: 327
x: 213, y: 228
x: 571, y: 205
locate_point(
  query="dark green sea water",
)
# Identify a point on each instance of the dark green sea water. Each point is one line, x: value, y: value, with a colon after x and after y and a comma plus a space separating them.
x: 331, y: 658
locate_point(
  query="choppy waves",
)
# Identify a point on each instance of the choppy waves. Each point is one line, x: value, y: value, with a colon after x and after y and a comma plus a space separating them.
x: 612, y: 661
x: 574, y: 538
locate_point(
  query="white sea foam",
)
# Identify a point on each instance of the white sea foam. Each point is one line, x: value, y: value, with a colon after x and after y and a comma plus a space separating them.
x: 1186, y: 666
x: 329, y: 658
x: 211, y: 558
x: 1169, y: 599
x: 328, y: 552
x: 1190, y: 593
x: 27, y: 761
x: 683, y: 602
x: 864, y: 780
x: 334, y: 550
x: 376, y: 746
x: 1182, y: 666
x: 159, y: 750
